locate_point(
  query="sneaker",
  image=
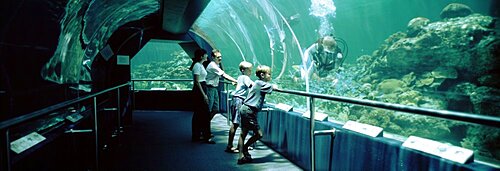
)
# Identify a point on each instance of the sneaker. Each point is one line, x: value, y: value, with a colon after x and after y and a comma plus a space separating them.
x: 231, y: 150
x: 244, y: 160
x: 247, y: 156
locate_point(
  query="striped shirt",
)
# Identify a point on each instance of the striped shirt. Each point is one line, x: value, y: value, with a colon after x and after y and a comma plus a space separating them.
x: 257, y: 94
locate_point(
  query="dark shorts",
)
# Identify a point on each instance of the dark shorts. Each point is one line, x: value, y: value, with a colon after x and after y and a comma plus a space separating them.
x: 249, y: 118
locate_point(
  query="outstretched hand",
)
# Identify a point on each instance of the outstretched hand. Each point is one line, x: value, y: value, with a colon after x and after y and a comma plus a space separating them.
x: 275, y: 87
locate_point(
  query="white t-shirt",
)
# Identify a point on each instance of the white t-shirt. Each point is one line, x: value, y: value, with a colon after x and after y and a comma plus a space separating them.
x: 244, y: 83
x: 213, y: 74
x: 200, y: 71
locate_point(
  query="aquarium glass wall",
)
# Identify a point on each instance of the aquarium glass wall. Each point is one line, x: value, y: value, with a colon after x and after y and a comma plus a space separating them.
x: 159, y: 61
x: 424, y: 53
x: 431, y: 54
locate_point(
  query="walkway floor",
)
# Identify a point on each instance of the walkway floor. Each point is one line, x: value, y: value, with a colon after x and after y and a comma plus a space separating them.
x: 161, y: 140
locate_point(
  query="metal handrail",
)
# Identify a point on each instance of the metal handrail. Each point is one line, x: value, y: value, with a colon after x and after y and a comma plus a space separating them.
x: 5, y: 125
x: 228, y: 118
x: 459, y: 116
x: 42, y: 112
x: 133, y: 80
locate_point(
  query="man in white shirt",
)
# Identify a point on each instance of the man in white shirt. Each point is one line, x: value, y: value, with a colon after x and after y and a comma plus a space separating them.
x: 213, y: 75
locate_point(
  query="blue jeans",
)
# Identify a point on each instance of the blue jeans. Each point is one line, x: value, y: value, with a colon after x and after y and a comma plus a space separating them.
x: 235, y: 113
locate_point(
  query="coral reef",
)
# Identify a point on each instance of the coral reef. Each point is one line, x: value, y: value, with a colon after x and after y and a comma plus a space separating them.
x: 454, y: 10
x: 176, y: 68
x: 416, y: 25
x: 449, y: 64
x: 442, y: 55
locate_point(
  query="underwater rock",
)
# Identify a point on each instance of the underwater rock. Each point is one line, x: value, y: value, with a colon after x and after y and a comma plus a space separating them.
x: 409, y: 78
x: 484, y: 141
x: 481, y: 99
x: 426, y: 81
x: 364, y: 59
x: 390, y: 86
x: 449, y: 65
x: 365, y: 79
x: 410, y: 98
x: 365, y: 89
x: 460, y: 53
x: 444, y: 72
x: 485, y: 100
x: 434, y: 78
x: 490, y: 80
x: 454, y: 10
x: 469, y: 45
x: 415, y: 26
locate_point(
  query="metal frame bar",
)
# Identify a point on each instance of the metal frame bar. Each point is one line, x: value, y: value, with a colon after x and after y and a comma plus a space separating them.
x: 228, y: 105
x: 46, y: 111
x: 162, y: 80
x: 6, y: 125
x: 5, y: 156
x: 96, y: 133
x: 119, y: 126
x: 312, y: 121
x: 331, y: 133
x: 458, y: 116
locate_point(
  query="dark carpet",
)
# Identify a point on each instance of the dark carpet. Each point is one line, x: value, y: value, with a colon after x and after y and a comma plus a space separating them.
x: 161, y: 140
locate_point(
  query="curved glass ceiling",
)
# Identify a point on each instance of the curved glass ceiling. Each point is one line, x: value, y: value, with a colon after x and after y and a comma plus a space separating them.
x: 277, y: 32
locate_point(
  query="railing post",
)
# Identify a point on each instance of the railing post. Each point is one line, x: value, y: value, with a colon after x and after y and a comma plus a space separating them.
x: 228, y: 106
x: 311, y: 111
x: 96, y: 135
x: 119, y: 111
x: 5, y: 156
x: 330, y: 132
x: 133, y: 95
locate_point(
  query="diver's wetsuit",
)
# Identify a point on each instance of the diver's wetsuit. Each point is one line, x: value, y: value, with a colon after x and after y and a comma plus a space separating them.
x: 326, y: 61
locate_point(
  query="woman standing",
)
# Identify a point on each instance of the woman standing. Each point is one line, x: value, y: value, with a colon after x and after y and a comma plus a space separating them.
x: 200, y: 122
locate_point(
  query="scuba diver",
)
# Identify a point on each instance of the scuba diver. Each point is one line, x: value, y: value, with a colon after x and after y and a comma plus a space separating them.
x: 326, y: 55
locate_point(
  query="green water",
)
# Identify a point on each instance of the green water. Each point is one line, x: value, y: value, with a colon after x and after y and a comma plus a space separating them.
x: 363, y: 24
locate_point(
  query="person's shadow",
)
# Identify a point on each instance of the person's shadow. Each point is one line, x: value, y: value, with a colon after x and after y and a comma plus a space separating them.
x: 273, y: 157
